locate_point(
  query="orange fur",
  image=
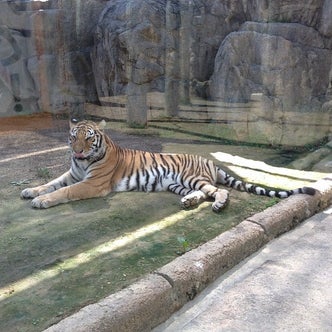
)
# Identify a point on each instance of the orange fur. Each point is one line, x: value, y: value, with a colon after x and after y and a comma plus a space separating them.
x: 99, y: 167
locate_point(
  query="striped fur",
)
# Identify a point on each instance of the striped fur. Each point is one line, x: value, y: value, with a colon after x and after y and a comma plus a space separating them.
x: 99, y: 167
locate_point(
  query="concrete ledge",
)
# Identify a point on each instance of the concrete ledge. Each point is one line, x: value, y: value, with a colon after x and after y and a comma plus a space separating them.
x: 136, y: 308
x: 192, y: 272
x: 150, y: 301
x: 284, y: 216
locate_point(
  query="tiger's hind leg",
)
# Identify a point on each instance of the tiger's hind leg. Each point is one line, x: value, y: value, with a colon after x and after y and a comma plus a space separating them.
x: 194, y: 197
x: 221, y: 199
x: 221, y: 196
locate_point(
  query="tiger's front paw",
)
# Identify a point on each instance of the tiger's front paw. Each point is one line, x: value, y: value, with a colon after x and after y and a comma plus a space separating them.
x: 188, y: 202
x: 29, y: 193
x: 192, y: 199
x: 41, y: 202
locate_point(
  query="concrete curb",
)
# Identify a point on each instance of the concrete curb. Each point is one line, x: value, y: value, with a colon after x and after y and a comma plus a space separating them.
x: 151, y: 300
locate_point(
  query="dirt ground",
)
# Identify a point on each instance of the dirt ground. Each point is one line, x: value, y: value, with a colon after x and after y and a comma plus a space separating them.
x: 55, y: 261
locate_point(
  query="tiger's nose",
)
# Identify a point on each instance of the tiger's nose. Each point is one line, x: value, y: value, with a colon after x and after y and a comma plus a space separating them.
x: 78, y: 150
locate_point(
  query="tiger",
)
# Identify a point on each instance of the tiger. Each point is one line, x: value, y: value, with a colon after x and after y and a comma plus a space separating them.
x: 99, y: 166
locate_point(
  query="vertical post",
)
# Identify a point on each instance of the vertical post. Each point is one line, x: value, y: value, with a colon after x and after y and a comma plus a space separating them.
x: 136, y: 105
x: 172, y: 69
x: 137, y: 87
x: 185, y: 49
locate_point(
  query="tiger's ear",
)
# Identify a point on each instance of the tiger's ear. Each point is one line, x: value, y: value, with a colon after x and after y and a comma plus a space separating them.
x: 72, y: 123
x: 102, y: 124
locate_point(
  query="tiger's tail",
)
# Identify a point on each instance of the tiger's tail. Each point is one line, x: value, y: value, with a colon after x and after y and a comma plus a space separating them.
x: 229, y: 181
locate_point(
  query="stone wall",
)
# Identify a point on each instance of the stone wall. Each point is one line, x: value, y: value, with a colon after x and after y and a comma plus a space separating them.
x: 56, y: 55
x: 287, y: 62
x: 45, y: 55
x: 234, y: 48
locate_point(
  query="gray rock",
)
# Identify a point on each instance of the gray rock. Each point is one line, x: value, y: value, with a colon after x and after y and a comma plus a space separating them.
x: 45, y: 55
x: 129, y: 45
x: 325, y: 27
x: 17, y: 89
x: 136, y: 41
x: 304, y: 12
x: 285, y: 62
x: 211, y: 22
x: 208, y: 48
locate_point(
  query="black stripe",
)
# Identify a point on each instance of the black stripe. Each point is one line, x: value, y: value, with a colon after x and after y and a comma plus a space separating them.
x: 201, y: 186
x: 100, y: 140
x: 127, y: 184
x: 186, y: 162
x: 172, y: 158
x: 137, y: 180
x: 164, y: 170
x: 143, y: 159
x: 264, y: 192
x: 76, y: 179
x: 195, y: 183
x: 163, y: 159
x: 181, y: 191
x: 233, y: 183
x: 154, y: 184
x: 147, y: 178
x: 156, y: 175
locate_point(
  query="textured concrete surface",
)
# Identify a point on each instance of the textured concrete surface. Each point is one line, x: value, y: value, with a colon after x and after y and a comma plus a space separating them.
x: 271, y: 292
x: 284, y: 287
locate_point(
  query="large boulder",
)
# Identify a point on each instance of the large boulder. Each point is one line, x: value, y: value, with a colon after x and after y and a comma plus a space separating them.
x: 211, y: 22
x: 288, y: 63
x: 129, y: 45
x: 138, y: 41
x: 134, y: 41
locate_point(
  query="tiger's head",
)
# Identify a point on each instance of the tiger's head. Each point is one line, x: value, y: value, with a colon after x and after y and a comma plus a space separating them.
x: 86, y: 140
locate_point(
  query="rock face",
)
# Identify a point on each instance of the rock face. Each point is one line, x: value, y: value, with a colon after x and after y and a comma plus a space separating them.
x: 45, y: 55
x: 129, y: 45
x: 60, y: 54
x: 288, y: 63
x: 228, y: 51
x: 285, y: 54
x: 138, y: 41
x: 308, y: 13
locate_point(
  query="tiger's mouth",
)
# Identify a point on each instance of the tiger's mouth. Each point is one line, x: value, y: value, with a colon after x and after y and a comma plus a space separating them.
x: 79, y: 155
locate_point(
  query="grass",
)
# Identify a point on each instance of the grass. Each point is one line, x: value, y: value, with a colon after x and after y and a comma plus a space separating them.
x: 43, y: 173
x: 61, y: 259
